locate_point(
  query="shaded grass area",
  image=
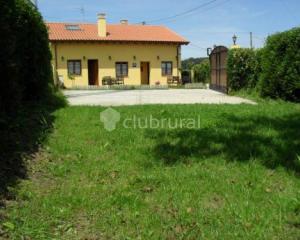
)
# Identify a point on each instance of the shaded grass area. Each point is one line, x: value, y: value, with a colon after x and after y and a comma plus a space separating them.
x: 21, y: 135
x: 237, y: 177
x: 273, y: 141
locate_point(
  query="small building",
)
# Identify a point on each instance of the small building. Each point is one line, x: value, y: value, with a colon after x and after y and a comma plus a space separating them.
x: 87, y: 54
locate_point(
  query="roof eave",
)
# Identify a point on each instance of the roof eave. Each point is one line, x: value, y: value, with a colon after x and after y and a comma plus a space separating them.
x: 119, y: 41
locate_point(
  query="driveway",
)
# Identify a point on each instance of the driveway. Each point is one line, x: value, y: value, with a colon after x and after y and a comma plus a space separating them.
x: 141, y: 97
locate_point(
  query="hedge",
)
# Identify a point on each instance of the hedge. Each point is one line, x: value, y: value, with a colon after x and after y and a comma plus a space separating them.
x: 274, y: 70
x: 26, y: 73
x: 280, y: 76
x: 243, y: 68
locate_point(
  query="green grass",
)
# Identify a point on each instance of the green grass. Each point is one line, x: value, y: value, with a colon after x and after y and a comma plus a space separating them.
x: 237, y: 177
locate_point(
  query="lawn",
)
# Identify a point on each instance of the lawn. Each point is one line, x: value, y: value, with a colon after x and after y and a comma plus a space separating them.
x: 235, y: 177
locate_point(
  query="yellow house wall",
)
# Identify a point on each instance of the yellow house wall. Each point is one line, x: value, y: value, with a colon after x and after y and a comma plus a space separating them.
x: 118, y: 53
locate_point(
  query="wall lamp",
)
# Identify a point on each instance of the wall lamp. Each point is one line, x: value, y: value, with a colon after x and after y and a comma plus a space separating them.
x: 62, y: 58
x: 109, y: 58
x: 158, y: 57
x: 134, y: 57
x: 84, y: 58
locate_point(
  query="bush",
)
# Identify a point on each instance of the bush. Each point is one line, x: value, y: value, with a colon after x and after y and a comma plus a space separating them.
x: 202, y: 72
x: 243, y: 68
x: 25, y: 70
x: 280, y: 76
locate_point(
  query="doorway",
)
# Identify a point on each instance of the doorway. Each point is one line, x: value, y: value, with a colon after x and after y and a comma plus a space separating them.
x: 93, y: 72
x: 145, y: 73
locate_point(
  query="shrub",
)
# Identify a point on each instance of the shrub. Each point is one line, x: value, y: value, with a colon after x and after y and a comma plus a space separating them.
x: 280, y: 76
x: 202, y: 72
x: 243, y: 68
x: 25, y: 56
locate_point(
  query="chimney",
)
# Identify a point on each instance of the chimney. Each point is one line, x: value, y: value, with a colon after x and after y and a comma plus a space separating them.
x: 124, y: 22
x: 101, y: 25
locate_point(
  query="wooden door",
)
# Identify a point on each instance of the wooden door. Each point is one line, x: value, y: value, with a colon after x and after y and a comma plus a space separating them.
x: 93, y: 69
x: 145, y: 73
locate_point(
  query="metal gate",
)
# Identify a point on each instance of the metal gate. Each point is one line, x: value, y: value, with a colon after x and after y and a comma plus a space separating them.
x: 218, y: 61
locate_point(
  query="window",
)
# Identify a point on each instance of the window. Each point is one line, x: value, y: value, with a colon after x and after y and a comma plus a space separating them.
x: 74, y: 67
x: 122, y: 69
x: 167, y: 68
x: 72, y: 27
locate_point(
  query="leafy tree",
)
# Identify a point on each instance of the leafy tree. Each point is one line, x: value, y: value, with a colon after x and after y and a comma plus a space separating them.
x: 190, y: 62
x: 202, y: 72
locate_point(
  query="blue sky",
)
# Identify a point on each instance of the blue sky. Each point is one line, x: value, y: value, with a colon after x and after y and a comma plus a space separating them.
x: 215, y: 23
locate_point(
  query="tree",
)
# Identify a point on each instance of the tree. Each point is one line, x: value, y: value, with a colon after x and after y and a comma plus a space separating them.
x: 189, y: 63
x: 202, y: 72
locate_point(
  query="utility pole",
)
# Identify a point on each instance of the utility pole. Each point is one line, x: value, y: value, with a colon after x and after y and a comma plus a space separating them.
x: 251, y: 40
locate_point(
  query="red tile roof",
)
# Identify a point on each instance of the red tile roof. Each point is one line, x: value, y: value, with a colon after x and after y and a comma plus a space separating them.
x: 116, y: 33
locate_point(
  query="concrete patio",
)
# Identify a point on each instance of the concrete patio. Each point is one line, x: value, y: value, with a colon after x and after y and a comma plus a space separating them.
x: 144, y: 97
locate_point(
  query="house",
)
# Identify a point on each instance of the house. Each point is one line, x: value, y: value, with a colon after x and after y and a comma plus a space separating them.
x: 85, y: 54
